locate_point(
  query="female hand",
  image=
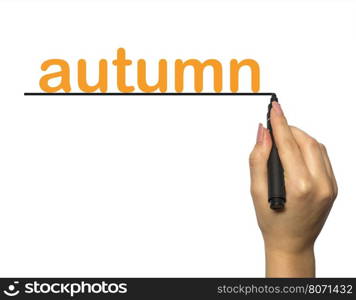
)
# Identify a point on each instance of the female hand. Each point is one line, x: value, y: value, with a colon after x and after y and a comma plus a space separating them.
x: 311, y: 188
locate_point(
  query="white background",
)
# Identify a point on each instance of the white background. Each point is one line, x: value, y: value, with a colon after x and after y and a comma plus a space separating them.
x: 109, y: 186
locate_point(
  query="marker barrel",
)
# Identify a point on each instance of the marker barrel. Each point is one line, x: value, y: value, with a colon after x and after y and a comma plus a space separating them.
x: 276, y: 187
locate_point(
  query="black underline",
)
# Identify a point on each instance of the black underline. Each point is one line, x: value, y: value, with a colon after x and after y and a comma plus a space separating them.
x: 147, y: 94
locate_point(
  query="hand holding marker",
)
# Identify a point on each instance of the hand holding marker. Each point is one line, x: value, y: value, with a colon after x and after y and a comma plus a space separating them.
x: 306, y: 184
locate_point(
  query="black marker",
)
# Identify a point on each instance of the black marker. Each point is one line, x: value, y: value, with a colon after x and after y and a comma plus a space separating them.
x: 276, y: 188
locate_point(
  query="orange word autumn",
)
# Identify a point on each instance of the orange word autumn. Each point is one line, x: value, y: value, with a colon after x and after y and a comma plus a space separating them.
x: 63, y: 82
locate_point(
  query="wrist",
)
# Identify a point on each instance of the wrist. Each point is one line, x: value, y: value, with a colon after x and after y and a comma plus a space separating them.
x: 280, y: 263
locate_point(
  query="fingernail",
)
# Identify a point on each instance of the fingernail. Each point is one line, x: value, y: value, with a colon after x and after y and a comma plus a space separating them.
x: 277, y: 107
x: 259, y: 138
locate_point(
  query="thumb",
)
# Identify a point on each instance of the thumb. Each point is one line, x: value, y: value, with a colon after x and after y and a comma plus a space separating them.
x: 258, y: 164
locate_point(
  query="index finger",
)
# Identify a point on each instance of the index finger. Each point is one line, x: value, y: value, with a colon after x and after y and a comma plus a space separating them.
x: 288, y: 149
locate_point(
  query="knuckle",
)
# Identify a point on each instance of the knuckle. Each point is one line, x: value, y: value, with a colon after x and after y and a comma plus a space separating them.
x: 336, y: 191
x: 287, y: 147
x: 255, y: 158
x: 326, y: 193
x: 323, y: 147
x: 312, y: 143
x: 304, y: 187
x: 293, y: 128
